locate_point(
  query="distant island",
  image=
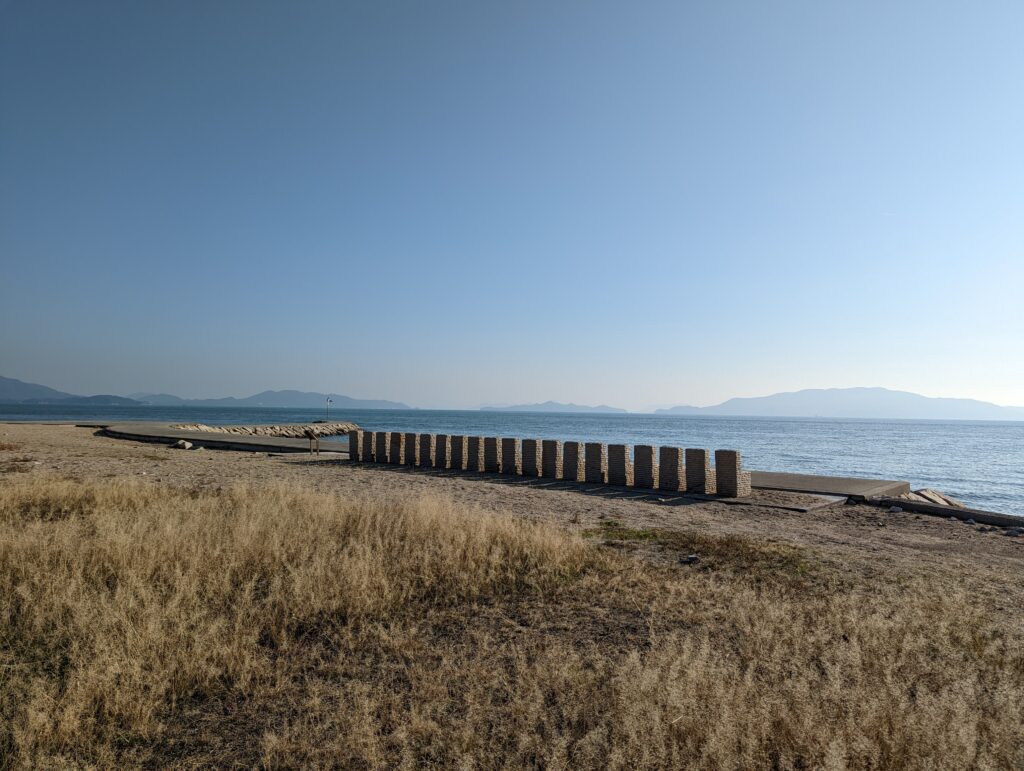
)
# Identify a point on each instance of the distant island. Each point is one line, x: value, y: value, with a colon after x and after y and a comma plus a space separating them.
x: 13, y: 391
x: 550, y: 406
x: 877, y: 403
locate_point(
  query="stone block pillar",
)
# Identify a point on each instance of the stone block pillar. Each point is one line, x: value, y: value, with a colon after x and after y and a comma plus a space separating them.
x: 367, y: 452
x: 670, y: 469
x: 595, y: 462
x: 475, y: 454
x: 619, y: 465
x: 441, y: 451
x: 730, y: 478
x: 700, y: 478
x: 491, y: 457
x: 426, y: 458
x: 510, y: 456
x: 395, y: 451
x: 457, y: 450
x: 530, y: 457
x: 382, y: 452
x: 551, y: 458
x: 643, y: 467
x: 354, y: 445
x: 409, y: 444
x: 571, y: 461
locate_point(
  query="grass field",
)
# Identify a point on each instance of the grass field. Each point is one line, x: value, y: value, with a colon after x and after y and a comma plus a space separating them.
x: 150, y: 625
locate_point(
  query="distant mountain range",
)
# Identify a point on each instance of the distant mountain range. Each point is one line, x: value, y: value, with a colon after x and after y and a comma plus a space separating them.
x: 553, y: 407
x: 14, y: 391
x: 288, y: 398
x: 879, y: 403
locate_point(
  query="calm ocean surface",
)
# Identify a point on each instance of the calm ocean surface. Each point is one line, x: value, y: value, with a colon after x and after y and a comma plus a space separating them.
x: 978, y: 462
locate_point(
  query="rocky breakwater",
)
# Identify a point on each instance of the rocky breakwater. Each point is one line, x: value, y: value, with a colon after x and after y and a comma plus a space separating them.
x: 286, y: 431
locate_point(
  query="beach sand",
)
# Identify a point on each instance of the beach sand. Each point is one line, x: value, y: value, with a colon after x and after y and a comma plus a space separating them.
x: 859, y: 538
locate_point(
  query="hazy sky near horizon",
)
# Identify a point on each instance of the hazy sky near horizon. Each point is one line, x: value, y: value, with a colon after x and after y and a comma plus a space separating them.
x: 458, y: 203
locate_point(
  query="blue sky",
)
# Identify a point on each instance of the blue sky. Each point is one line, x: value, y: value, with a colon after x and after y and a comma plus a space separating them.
x: 452, y: 204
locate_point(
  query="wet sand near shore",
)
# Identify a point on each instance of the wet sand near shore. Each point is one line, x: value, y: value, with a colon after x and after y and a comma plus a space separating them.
x: 856, y: 538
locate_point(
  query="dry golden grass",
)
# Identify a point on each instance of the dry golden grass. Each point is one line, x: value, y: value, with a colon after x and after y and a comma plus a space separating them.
x: 141, y: 625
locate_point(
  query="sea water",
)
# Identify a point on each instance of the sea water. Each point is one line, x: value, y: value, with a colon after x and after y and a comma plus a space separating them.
x: 978, y: 462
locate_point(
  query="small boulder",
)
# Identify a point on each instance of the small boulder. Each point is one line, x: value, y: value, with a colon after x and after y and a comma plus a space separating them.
x: 690, y: 559
x: 895, y: 510
x: 181, y: 444
x: 970, y: 522
x: 1014, y: 532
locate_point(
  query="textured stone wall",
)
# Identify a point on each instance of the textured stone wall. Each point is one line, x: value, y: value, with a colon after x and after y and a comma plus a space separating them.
x: 441, y: 450
x: 571, y: 461
x: 382, y: 440
x: 491, y: 457
x: 595, y: 463
x: 530, y: 457
x: 550, y: 458
x: 643, y: 466
x: 355, y: 446
x: 510, y: 459
x: 730, y: 479
x: 409, y: 446
x: 426, y: 457
x: 700, y: 478
x: 618, y: 465
x: 396, y: 450
x: 670, y: 469
x: 367, y: 453
x: 457, y: 452
x: 475, y: 453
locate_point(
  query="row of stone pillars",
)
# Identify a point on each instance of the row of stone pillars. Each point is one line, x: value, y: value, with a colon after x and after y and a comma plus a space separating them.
x: 651, y: 468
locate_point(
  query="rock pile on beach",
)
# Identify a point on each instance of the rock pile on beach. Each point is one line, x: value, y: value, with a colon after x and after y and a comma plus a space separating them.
x: 287, y: 431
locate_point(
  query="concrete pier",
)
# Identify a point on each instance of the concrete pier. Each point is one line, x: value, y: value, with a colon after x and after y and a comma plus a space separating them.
x: 730, y: 478
x: 571, y: 461
x: 551, y: 458
x: 355, y: 445
x: 643, y: 467
x: 457, y: 452
x: 395, y: 449
x: 700, y: 477
x: 510, y: 456
x: 426, y: 455
x: 410, y: 445
x: 596, y: 461
x: 530, y: 457
x: 441, y: 451
x: 381, y: 452
x: 670, y: 469
x: 491, y: 457
x: 474, y: 454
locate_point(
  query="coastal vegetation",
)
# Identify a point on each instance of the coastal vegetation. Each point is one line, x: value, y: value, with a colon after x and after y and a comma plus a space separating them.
x: 143, y: 624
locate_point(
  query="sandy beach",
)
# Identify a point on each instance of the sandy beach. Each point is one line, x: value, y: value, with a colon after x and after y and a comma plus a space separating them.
x: 859, y: 538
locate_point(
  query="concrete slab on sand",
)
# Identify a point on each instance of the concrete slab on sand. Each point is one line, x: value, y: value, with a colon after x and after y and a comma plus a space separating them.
x: 161, y: 433
x: 851, y: 487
